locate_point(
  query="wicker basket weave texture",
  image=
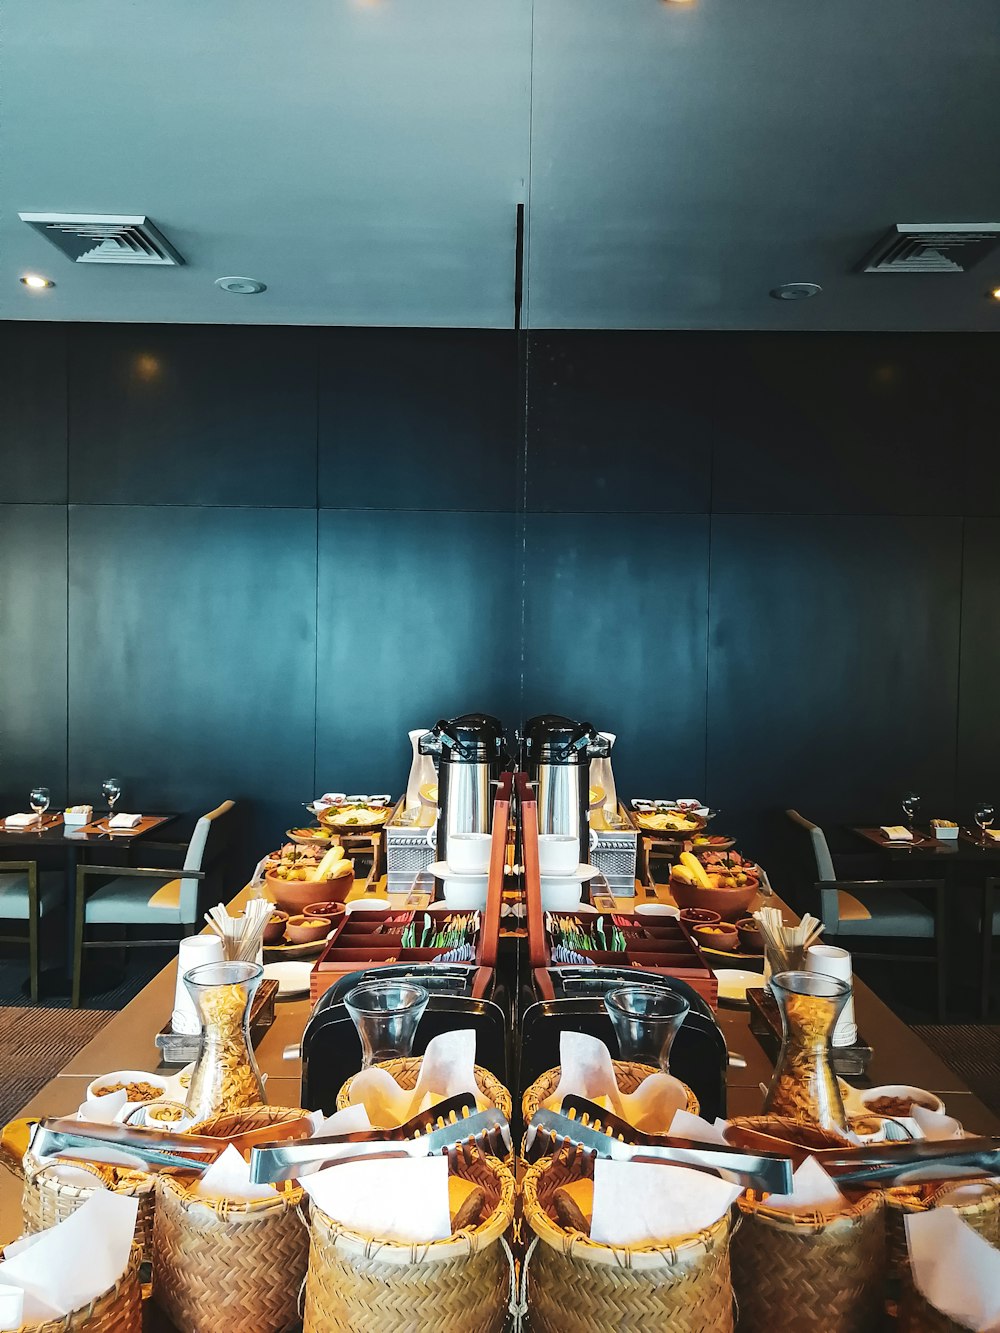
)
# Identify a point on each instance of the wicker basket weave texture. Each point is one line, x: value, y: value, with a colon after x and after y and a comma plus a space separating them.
x: 628, y: 1073
x: 406, y: 1072
x: 917, y: 1316
x: 800, y: 1272
x: 459, y: 1285
x: 235, y: 1268
x: 576, y: 1286
x: 47, y: 1200
x: 116, y: 1311
x: 983, y: 1215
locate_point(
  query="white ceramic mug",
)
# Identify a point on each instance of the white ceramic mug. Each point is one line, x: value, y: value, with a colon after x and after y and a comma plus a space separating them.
x: 558, y: 854
x: 562, y: 893
x: 466, y: 894
x: 469, y: 853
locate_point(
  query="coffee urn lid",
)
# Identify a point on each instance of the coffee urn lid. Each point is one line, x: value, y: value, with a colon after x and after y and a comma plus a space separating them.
x: 471, y: 738
x: 551, y: 739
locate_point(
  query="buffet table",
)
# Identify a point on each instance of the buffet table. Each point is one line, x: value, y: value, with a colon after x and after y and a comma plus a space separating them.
x: 127, y: 1042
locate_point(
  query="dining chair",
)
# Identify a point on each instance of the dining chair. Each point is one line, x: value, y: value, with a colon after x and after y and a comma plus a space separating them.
x: 149, y: 895
x: 877, y: 909
x: 26, y: 895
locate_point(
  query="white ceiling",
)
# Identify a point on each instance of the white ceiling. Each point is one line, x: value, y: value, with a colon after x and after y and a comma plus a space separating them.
x: 365, y: 159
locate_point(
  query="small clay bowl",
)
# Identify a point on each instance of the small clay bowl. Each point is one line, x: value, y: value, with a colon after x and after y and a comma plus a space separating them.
x: 274, y: 931
x: 721, y: 936
x: 699, y: 916
x: 307, y: 929
x: 334, y: 911
x: 750, y: 937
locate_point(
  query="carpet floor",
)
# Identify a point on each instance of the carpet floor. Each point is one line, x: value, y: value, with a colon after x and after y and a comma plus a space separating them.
x: 35, y: 1044
x: 972, y: 1050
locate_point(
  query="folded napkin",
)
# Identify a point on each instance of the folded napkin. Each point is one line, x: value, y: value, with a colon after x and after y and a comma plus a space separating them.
x: 103, y: 1110
x: 447, y: 1069
x: 587, y: 1071
x: 812, y: 1189
x: 687, y: 1126
x: 897, y: 832
x: 124, y: 821
x: 993, y: 833
x: 70, y: 1265
x: 638, y: 1203
x: 21, y: 821
x: 955, y: 1269
x: 401, y: 1199
x: 229, y: 1178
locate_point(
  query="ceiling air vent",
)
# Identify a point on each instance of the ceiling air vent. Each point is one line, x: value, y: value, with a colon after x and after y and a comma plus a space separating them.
x: 932, y: 247
x: 98, y: 238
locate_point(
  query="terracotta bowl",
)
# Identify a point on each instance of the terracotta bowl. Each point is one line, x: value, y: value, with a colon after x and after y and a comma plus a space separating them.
x: 722, y: 936
x: 308, y: 929
x: 731, y: 904
x: 750, y: 937
x: 295, y: 895
x: 332, y: 910
x: 274, y: 931
x: 699, y: 916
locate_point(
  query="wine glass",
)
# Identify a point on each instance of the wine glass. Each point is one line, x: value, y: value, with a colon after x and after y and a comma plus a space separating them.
x: 39, y: 798
x: 646, y: 1020
x: 911, y: 804
x: 984, y: 818
x: 112, y: 789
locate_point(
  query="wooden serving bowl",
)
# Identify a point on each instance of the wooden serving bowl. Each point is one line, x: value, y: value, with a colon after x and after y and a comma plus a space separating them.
x: 306, y: 929
x: 274, y: 931
x: 750, y: 937
x: 295, y: 895
x: 730, y: 904
x: 722, y: 936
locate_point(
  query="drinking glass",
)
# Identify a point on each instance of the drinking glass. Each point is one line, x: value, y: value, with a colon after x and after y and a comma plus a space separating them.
x: 646, y: 1021
x: 39, y: 798
x: 911, y: 804
x: 984, y: 818
x: 112, y: 789
x: 386, y: 1015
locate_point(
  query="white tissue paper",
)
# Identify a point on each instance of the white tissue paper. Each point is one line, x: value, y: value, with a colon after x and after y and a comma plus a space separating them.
x: 21, y: 820
x: 351, y: 1120
x: 404, y: 1199
x: 103, y: 1110
x: 448, y: 1068
x: 74, y: 1262
x: 229, y: 1178
x: 897, y: 832
x: 935, y: 1124
x: 636, y: 1203
x: 954, y: 1269
x: 687, y: 1126
x: 124, y: 821
x: 812, y: 1188
x: 587, y: 1071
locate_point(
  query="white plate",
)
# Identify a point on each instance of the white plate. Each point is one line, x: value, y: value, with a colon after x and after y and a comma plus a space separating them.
x: 369, y: 903
x: 581, y: 874
x: 734, y: 982
x: 292, y: 978
x: 441, y: 870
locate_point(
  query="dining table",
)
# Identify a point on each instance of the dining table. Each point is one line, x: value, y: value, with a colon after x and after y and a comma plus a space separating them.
x: 969, y: 863
x: 70, y: 841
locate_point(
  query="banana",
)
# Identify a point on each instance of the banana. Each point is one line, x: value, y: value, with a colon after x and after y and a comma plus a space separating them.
x: 697, y: 869
x: 326, y: 867
x: 683, y: 874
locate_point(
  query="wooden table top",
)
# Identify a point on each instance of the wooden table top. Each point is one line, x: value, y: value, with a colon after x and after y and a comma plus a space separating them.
x: 965, y: 847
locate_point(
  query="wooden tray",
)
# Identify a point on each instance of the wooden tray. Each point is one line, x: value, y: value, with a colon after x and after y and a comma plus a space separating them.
x: 180, y: 1048
x: 365, y: 940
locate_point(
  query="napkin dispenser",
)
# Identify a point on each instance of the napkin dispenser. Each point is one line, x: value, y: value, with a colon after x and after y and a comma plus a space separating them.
x: 331, y: 1050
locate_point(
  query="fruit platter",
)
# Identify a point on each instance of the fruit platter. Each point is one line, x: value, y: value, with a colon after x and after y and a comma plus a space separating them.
x: 297, y: 876
x: 721, y: 882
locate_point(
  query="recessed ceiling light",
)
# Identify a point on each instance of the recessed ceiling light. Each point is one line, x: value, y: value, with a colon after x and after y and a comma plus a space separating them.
x: 36, y: 282
x: 241, y: 286
x: 796, y: 291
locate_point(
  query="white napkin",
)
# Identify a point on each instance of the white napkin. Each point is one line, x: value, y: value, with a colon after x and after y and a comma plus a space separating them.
x: 636, y: 1202
x: 587, y: 1071
x: 103, y: 1110
x: 954, y: 1269
x: 935, y: 1124
x: 687, y: 1126
x: 351, y: 1120
x: 21, y: 821
x: 994, y: 834
x: 124, y: 821
x: 811, y: 1188
x: 73, y: 1263
x: 897, y: 832
x: 229, y: 1178
x: 447, y: 1069
x: 403, y: 1199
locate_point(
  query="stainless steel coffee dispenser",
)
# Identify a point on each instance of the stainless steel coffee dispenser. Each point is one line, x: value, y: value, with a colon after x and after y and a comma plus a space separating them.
x: 556, y: 755
x: 471, y: 753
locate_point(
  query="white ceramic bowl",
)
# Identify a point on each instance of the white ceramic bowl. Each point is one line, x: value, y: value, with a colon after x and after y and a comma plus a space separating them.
x: 561, y: 893
x: 367, y: 904
x: 129, y: 1076
x: 944, y: 834
x: 903, y: 1090
x: 657, y: 910
x: 469, y: 853
x: 558, y: 854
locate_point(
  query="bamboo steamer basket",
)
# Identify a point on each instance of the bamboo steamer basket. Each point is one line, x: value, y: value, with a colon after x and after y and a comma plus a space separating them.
x: 572, y: 1285
x: 808, y: 1270
x: 917, y: 1315
x: 459, y: 1285
x: 982, y: 1214
x: 47, y: 1200
x: 407, y: 1071
x: 628, y: 1074
x: 118, y: 1310
x: 229, y: 1267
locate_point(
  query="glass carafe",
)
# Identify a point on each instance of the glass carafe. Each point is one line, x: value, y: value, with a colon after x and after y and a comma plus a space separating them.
x: 804, y: 1086
x: 386, y: 1015
x: 225, y: 1077
x: 646, y: 1021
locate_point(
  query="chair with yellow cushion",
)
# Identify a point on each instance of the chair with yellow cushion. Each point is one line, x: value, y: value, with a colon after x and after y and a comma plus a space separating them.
x: 147, y: 895
x: 855, y: 911
x: 27, y: 896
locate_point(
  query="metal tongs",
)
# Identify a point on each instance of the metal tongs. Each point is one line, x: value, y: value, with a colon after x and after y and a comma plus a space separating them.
x: 147, y: 1149
x: 938, y: 1159
x: 607, y: 1135
x: 449, y: 1124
